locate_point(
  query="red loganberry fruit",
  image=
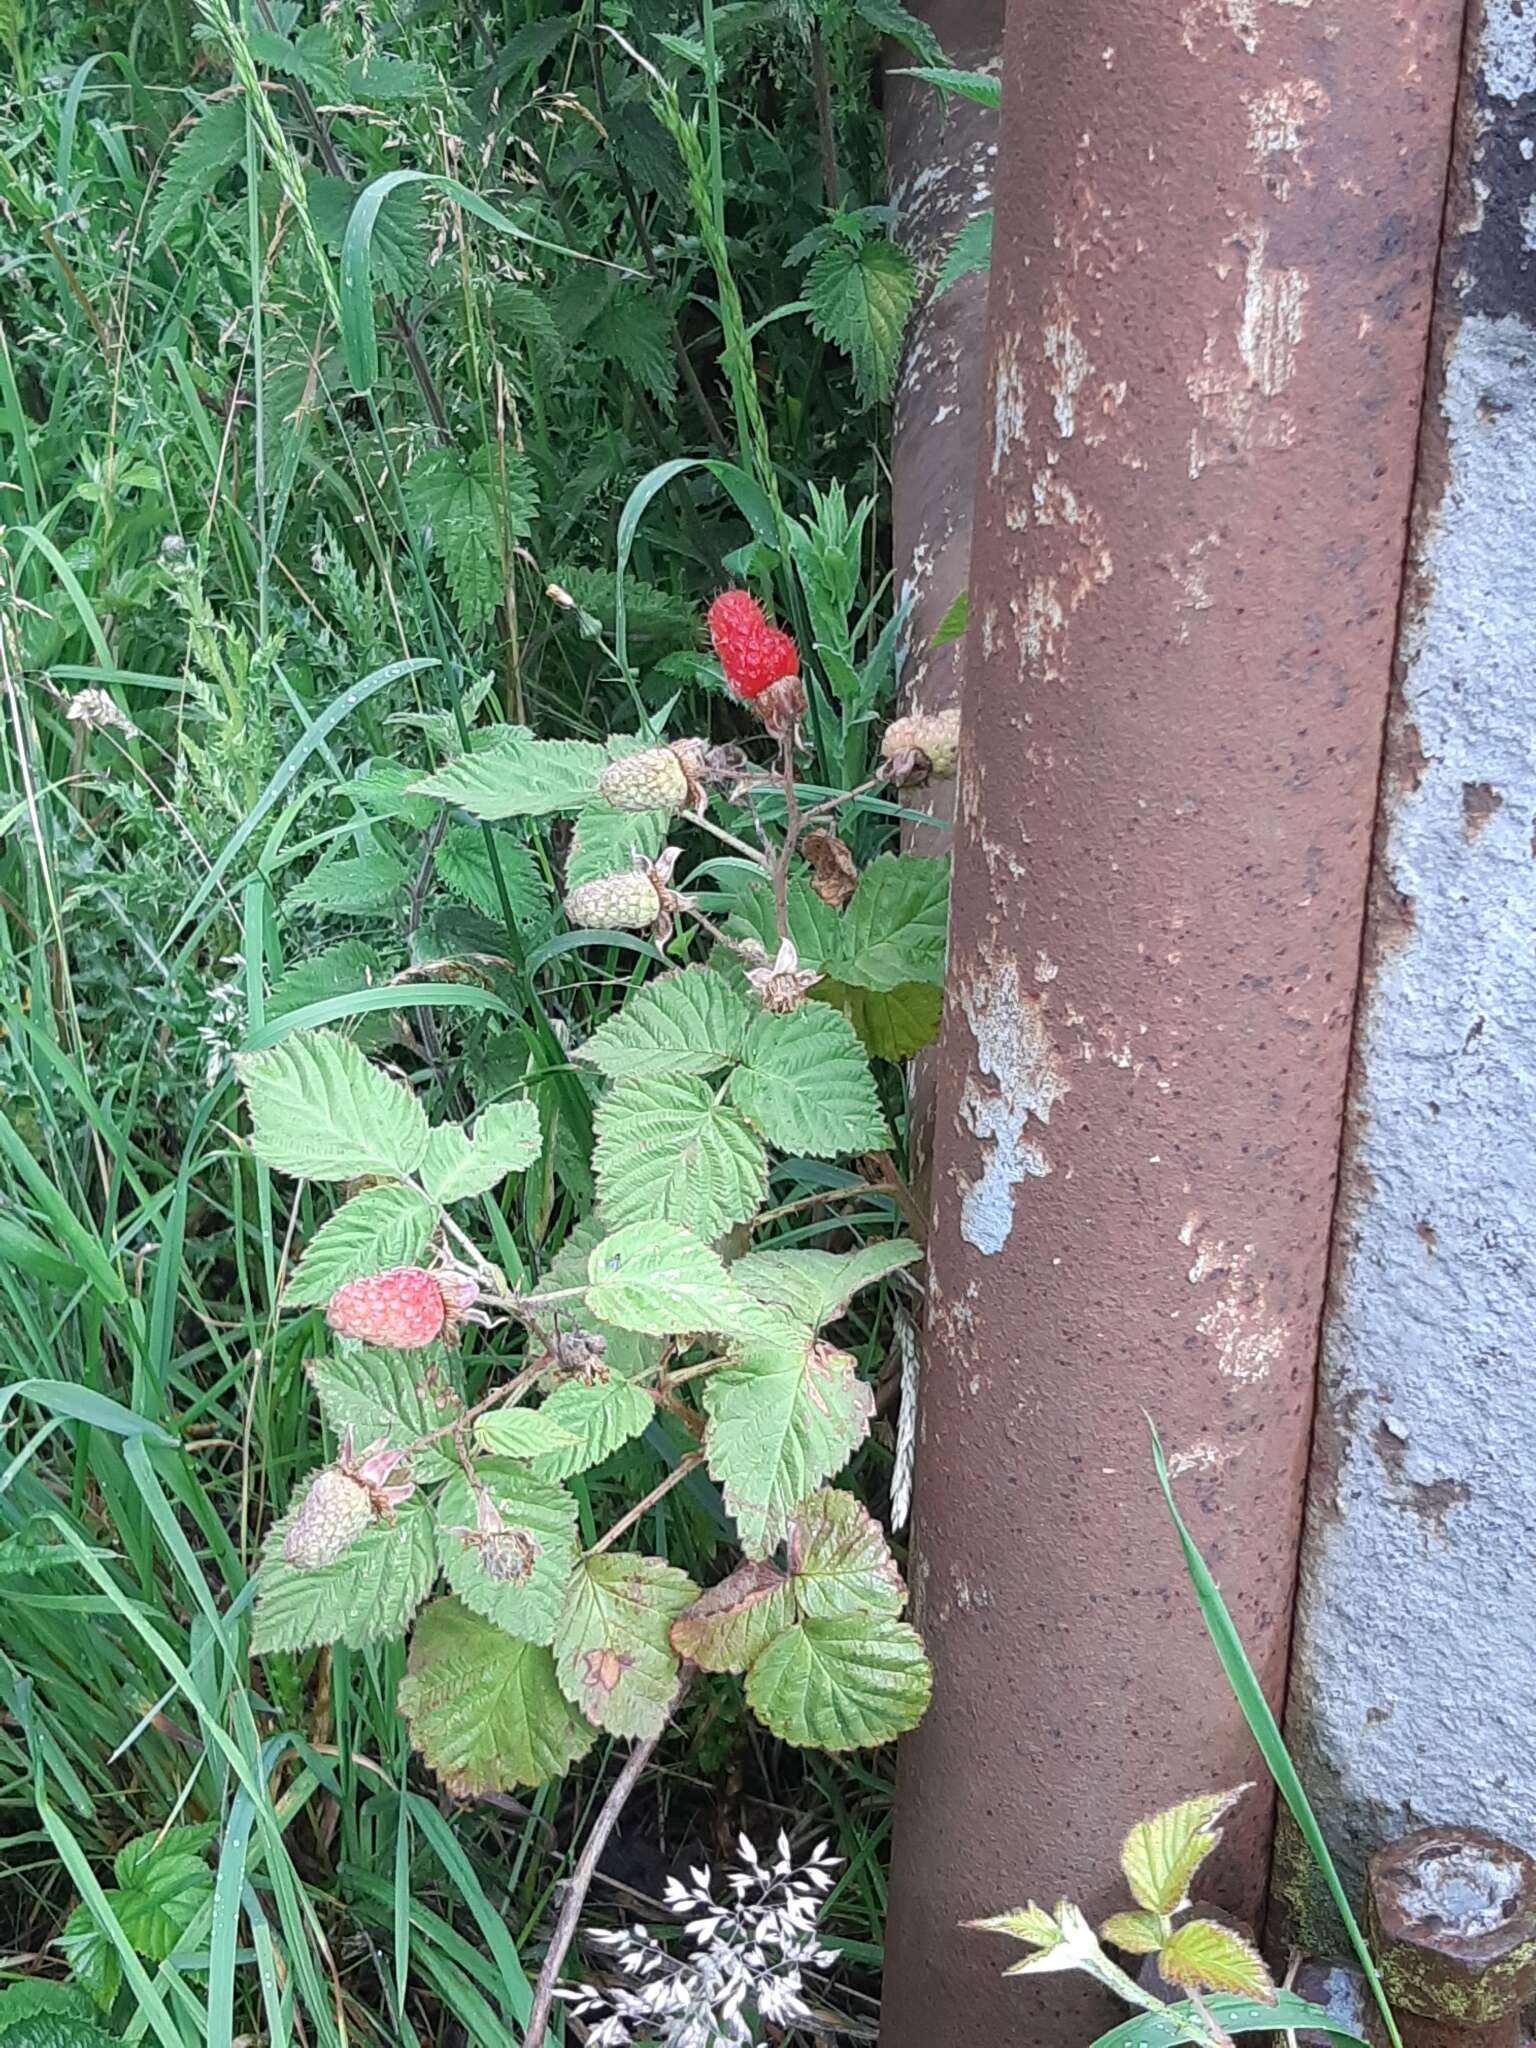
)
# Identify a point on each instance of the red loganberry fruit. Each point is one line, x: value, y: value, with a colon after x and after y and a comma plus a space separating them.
x: 401, y: 1310
x: 752, y: 653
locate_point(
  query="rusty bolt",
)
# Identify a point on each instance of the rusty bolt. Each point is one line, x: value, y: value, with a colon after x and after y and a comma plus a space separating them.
x: 1451, y: 1918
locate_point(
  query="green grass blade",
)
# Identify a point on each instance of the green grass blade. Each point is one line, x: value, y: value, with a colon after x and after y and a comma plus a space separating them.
x: 1249, y: 1695
x: 1236, y: 2015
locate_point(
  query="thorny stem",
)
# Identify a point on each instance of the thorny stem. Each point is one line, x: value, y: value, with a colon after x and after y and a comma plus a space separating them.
x: 675, y: 1477
x: 580, y: 1882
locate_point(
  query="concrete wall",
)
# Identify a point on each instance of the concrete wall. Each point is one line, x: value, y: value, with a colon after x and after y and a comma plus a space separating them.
x: 1413, y: 1695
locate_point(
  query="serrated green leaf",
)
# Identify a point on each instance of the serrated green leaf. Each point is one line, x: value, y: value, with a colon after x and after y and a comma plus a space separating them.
x: 630, y: 1354
x: 92, y: 1959
x: 1139, y: 1934
x: 597, y: 1419
x: 844, y: 1684
x: 806, y: 1085
x: 633, y: 330
x: 525, y: 1433
x: 541, y: 1547
x: 41, y: 1998
x: 474, y: 511
x: 368, y: 1594
x: 161, y: 1896
x: 520, y: 777
x: 383, y: 790
x: 969, y: 252
x: 339, y: 970
x: 400, y: 247
x: 813, y: 925
x: 728, y: 1626
x: 359, y: 885
x: 459, y: 1163
x: 813, y: 1288
x: 198, y: 160
x: 859, y: 297
x: 386, y: 79
x: 321, y: 1112
x: 895, y: 927
x: 839, y: 1560
x: 667, y: 1149
x: 984, y: 87
x: 892, y: 19
x: 1031, y: 1924
x: 782, y: 1419
x: 56, y: 2029
x: 1160, y: 1855
x: 891, y: 1024
x: 462, y: 864
x: 606, y: 841
x: 385, y: 1226
x: 690, y: 1022
x: 659, y: 1279
x: 485, y: 1709
x: 1203, y: 1956
x: 613, y: 1656
x: 390, y: 1398
x: 314, y: 56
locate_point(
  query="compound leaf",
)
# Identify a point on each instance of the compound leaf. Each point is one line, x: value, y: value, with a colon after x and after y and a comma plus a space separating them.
x: 690, y: 1022
x: 520, y: 777
x: 667, y: 1149
x: 840, y: 1561
x: 807, y: 1086
x: 813, y: 1288
x: 460, y: 1163
x: 514, y: 1574
x: 1160, y: 1855
x: 659, y: 1279
x: 370, y: 1592
x: 385, y: 1226
x: 1203, y: 1956
x: 783, y: 1418
x: 596, y: 1419
x: 727, y: 1627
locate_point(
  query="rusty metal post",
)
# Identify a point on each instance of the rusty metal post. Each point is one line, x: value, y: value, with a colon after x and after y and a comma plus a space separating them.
x: 1451, y: 1918
x: 1413, y: 1693
x: 941, y: 150
x: 1216, y: 231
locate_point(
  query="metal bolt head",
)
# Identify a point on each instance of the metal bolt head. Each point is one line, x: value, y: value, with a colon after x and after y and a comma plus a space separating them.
x: 1451, y: 1918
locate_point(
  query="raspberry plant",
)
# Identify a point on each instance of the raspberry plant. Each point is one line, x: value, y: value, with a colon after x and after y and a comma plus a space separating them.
x: 660, y: 1301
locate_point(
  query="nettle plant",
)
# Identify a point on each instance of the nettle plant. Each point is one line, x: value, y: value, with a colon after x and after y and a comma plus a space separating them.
x: 1160, y: 1858
x: 655, y: 1303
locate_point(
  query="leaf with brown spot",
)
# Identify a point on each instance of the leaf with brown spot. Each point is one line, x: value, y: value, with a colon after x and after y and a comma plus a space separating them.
x: 726, y: 1627
x: 613, y: 1654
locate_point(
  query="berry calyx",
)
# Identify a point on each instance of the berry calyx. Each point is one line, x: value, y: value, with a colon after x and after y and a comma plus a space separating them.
x: 922, y: 748
x: 752, y: 654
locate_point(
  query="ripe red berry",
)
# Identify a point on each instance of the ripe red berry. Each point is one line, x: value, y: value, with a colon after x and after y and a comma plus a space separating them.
x: 401, y: 1310
x: 752, y: 653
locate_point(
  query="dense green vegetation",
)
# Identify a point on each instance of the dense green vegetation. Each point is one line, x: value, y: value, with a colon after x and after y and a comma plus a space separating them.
x: 300, y: 497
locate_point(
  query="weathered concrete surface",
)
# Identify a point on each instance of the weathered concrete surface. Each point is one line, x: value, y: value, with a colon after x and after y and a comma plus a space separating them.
x: 1413, y: 1695
x: 1216, y: 231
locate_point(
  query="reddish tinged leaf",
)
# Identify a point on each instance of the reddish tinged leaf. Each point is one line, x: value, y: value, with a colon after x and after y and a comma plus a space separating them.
x: 726, y: 1627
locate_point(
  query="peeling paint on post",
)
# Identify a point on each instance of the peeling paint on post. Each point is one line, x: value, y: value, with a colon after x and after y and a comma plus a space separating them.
x: 942, y: 152
x: 1413, y: 1697
x: 1216, y: 230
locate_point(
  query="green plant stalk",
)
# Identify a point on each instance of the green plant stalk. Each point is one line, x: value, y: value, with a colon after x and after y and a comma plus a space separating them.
x: 1249, y: 1695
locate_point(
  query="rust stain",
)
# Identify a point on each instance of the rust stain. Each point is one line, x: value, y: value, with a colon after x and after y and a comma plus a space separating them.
x: 1430, y: 1499
x: 1480, y: 801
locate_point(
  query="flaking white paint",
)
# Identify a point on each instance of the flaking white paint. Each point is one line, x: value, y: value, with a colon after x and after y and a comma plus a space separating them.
x: 1013, y: 1051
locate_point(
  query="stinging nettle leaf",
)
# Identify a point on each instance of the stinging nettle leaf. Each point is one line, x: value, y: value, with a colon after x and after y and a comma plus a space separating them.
x: 728, y: 1626
x: 515, y: 1572
x: 782, y: 1419
x: 667, y: 1149
x: 690, y: 1022
x: 369, y: 1593
x: 321, y: 1112
x: 520, y: 777
x: 839, y: 1560
x: 459, y: 1163
x: 485, y: 1709
x: 613, y: 1655
x: 859, y: 297
x: 385, y: 1226
x: 807, y: 1086
x: 845, y: 1684
x: 969, y: 252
